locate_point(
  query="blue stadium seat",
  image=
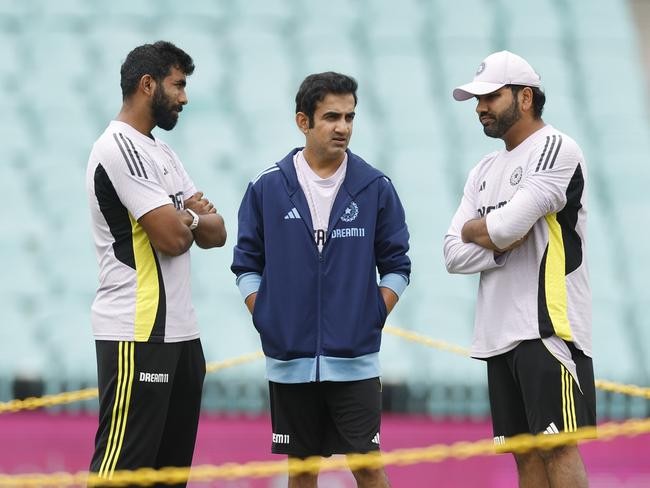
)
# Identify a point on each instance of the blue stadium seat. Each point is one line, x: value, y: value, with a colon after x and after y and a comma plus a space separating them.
x: 392, y: 26
x: 24, y: 352
x: 66, y: 11
x: 64, y: 322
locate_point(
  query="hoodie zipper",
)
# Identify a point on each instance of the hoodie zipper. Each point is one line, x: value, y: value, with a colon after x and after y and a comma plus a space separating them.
x: 318, y: 315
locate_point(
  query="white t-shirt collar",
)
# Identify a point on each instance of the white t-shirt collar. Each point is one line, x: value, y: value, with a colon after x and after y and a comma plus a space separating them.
x: 313, y: 177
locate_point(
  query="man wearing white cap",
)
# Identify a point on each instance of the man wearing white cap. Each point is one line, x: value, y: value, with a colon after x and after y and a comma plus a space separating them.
x: 521, y: 224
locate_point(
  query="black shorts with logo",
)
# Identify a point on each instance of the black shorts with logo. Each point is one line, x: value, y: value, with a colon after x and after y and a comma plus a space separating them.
x: 325, y: 418
x: 149, y: 403
x: 532, y: 392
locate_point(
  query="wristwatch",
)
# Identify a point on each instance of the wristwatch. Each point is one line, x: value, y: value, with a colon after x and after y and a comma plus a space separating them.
x: 195, y: 218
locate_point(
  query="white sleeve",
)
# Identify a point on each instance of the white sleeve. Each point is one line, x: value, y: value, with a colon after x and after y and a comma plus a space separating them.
x: 542, y: 192
x: 461, y: 257
x: 134, y: 179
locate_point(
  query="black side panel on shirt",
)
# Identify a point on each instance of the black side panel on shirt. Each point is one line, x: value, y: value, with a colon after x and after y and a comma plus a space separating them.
x: 545, y: 323
x: 116, y: 215
x: 568, y: 218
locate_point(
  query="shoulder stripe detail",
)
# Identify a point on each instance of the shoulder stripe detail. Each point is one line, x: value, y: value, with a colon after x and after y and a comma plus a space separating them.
x: 550, y: 151
x: 539, y: 163
x: 117, y: 141
x: 128, y: 150
x: 549, y: 157
x: 137, y: 155
x: 557, y: 151
x: 265, y: 172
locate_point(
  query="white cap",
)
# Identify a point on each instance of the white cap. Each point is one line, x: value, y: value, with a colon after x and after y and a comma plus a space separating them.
x: 497, y: 70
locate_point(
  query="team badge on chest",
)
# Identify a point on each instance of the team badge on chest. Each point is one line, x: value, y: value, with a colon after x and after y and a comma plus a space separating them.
x: 515, y: 177
x: 350, y: 212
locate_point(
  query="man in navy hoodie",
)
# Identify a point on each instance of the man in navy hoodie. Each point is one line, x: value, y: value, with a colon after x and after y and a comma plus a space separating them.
x: 314, y: 230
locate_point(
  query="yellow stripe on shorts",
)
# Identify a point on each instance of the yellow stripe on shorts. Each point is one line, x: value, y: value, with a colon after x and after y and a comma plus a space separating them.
x: 568, y: 402
x: 125, y: 369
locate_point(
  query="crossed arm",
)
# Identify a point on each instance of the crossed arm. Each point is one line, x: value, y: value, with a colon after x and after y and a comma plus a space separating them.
x: 476, y: 231
x: 211, y: 231
x: 469, y: 248
x: 169, y: 232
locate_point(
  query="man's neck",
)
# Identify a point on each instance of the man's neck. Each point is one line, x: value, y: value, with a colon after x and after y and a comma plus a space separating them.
x: 137, y: 119
x: 519, y: 132
x: 323, y: 167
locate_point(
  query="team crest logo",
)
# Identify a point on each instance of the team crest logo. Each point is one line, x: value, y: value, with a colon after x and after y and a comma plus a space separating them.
x: 350, y: 213
x: 515, y: 177
x: 481, y: 68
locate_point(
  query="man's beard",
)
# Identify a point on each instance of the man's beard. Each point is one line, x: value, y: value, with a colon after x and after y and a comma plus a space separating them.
x: 163, y: 111
x: 504, y: 121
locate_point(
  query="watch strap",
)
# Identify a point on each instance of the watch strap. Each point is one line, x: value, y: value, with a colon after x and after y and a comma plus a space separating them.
x: 195, y: 218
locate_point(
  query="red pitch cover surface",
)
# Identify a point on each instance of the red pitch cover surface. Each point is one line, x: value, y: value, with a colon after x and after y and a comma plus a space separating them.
x: 33, y: 442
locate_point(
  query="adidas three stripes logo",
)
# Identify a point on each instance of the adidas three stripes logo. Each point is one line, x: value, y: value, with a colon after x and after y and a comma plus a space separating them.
x: 292, y: 214
x: 133, y: 160
x: 551, y: 429
x: 555, y: 142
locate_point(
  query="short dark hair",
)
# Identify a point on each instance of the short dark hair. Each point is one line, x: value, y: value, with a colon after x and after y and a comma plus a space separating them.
x: 315, y: 87
x: 155, y: 59
x: 539, y: 98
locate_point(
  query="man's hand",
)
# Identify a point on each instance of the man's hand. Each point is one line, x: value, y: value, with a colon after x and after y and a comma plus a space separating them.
x: 200, y: 205
x: 250, y: 302
x: 475, y: 231
x: 390, y: 298
x: 211, y: 231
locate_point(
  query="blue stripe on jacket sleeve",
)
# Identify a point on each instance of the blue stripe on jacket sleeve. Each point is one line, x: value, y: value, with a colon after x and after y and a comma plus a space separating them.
x: 248, y: 283
x: 393, y: 281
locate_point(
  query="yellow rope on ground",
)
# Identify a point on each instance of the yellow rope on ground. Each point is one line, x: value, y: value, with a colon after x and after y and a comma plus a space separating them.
x: 399, y: 457
x: 48, y: 400
x: 420, y: 339
x: 229, y: 363
x: 89, y: 393
x: 605, y: 385
x: 33, y: 403
x: 630, y: 390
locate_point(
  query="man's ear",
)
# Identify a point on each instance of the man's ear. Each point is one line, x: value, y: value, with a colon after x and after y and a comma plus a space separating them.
x: 302, y: 121
x: 526, y: 101
x: 147, y: 85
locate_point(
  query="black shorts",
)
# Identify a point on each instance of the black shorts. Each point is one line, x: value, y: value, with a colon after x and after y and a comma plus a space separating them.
x: 149, y: 403
x: 532, y: 392
x: 325, y: 418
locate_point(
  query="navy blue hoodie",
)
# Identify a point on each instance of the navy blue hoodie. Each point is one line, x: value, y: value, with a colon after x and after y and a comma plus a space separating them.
x: 320, y: 315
